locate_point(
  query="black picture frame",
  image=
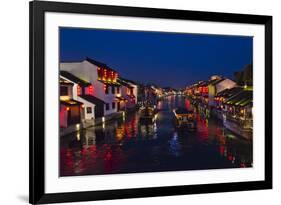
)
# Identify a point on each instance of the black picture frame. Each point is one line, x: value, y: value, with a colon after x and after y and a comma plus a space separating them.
x: 37, y: 194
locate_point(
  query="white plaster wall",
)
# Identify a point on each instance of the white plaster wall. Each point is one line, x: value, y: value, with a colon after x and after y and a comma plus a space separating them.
x: 108, y: 98
x: 74, y: 92
x: 123, y: 90
x: 225, y: 84
x: 83, y: 70
x: 135, y: 91
x: 88, y: 116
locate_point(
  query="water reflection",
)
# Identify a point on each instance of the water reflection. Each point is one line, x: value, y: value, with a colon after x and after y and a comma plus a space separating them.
x: 175, y: 146
x: 126, y: 146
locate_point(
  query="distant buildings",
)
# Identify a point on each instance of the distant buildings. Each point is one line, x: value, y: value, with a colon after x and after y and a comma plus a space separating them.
x: 230, y: 101
x: 127, y: 98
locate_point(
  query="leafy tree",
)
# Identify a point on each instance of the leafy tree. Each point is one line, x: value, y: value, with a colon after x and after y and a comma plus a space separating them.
x: 245, y: 76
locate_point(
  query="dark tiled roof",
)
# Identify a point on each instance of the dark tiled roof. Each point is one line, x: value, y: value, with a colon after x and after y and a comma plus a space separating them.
x: 65, y: 82
x: 124, y: 83
x: 216, y: 81
x: 70, y: 102
x: 110, y: 83
x: 229, y: 92
x: 243, y: 98
x: 203, y: 83
x: 92, y: 99
x: 73, y: 78
x: 99, y: 64
x: 129, y: 81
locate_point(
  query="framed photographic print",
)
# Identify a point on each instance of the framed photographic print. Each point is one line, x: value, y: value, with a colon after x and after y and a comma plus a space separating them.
x: 140, y: 102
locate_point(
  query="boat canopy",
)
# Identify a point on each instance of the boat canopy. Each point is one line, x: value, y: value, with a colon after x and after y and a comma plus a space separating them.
x: 183, y: 111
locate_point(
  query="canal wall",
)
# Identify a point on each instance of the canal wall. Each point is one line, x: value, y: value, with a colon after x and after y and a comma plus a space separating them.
x: 233, y: 126
x: 90, y: 123
x: 237, y: 129
x: 94, y: 122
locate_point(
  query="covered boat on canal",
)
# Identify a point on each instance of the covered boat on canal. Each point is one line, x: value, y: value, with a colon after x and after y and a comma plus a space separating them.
x: 147, y: 114
x: 185, y: 118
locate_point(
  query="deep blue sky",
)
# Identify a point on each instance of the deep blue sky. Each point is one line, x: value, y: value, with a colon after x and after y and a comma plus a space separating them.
x: 166, y: 59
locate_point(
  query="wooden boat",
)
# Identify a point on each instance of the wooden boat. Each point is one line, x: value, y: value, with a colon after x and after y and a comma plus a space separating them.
x: 147, y: 114
x: 185, y: 118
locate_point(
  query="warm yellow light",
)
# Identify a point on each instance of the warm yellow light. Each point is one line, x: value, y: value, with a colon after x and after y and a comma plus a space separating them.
x: 78, y: 136
x: 77, y: 126
x: 103, y: 119
x: 156, y: 115
x: 64, y: 98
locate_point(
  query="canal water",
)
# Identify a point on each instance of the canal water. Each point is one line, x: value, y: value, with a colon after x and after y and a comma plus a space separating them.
x: 126, y: 146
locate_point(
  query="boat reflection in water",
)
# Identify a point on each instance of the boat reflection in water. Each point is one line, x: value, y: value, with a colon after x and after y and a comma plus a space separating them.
x: 128, y: 146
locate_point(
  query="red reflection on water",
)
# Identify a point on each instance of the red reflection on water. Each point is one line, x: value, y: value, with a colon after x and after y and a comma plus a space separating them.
x: 222, y: 148
x: 120, y: 132
x: 187, y: 104
x: 127, y: 129
x: 108, y: 155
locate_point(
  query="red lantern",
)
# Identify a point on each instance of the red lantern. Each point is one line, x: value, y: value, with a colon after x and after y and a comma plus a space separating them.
x: 78, y: 90
x: 91, y: 90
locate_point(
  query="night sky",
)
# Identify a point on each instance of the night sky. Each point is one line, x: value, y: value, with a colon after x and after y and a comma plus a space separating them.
x: 165, y: 59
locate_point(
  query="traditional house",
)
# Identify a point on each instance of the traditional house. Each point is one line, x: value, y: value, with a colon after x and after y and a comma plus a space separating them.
x: 84, y: 92
x: 101, y: 77
x: 222, y: 96
x: 70, y: 109
x: 127, y: 98
x: 239, y: 106
x: 238, y: 113
x: 201, y: 92
x: 216, y: 85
